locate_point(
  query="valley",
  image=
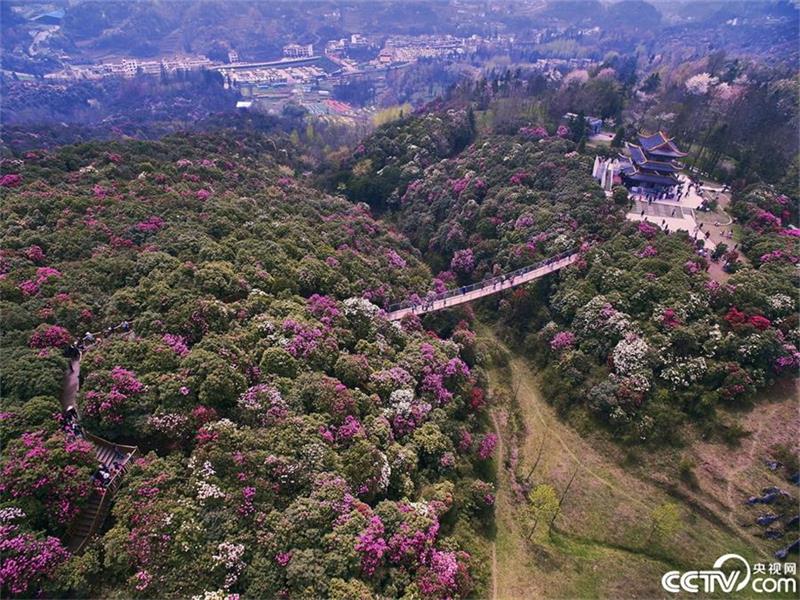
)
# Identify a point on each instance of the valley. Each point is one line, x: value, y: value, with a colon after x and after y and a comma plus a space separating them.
x: 604, y: 529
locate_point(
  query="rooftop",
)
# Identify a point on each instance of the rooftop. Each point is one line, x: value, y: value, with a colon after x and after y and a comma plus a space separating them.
x: 660, y: 143
x: 641, y: 159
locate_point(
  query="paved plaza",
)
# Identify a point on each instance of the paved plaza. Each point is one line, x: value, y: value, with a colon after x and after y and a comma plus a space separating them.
x: 660, y: 210
x: 669, y: 215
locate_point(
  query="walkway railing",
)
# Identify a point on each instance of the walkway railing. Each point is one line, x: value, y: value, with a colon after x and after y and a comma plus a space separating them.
x: 497, y: 284
x: 79, y: 535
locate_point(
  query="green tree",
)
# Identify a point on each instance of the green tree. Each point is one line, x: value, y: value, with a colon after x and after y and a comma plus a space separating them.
x: 577, y: 127
x: 652, y: 83
x: 620, y: 195
x: 542, y: 506
x: 665, y: 522
x: 619, y: 137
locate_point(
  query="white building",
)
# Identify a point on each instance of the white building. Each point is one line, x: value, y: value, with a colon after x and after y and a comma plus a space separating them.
x: 298, y: 50
x: 606, y: 171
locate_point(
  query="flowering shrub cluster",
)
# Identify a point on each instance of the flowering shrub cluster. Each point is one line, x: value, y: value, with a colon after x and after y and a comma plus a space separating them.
x: 389, y: 161
x: 536, y: 132
x: 50, y: 336
x: 536, y: 200
x: 109, y: 395
x: 46, y: 474
x: 768, y: 236
x: 634, y: 331
x: 301, y: 449
x: 306, y: 446
x: 28, y: 560
x: 656, y: 343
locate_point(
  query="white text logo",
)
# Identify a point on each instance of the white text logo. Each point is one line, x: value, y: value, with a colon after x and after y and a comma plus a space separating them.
x: 737, y: 577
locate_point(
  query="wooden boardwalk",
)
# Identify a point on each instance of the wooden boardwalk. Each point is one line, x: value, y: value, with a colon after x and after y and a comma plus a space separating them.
x: 115, y: 457
x: 485, y: 288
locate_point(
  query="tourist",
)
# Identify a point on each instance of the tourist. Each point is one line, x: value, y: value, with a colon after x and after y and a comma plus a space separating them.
x: 72, y: 353
x: 102, y: 476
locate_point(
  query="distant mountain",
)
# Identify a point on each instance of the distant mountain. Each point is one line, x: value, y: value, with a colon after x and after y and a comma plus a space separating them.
x: 716, y: 12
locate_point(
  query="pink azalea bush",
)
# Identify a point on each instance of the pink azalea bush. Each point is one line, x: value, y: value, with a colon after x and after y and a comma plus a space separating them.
x: 647, y: 230
x: 10, y: 180
x: 50, y: 336
x: 150, y: 224
x: 177, y: 343
x: 536, y: 132
x: 28, y: 560
x: 562, y: 340
x: 31, y: 287
x: 487, y: 446
x: 49, y: 473
x: 463, y: 261
x: 110, y: 394
x: 34, y: 254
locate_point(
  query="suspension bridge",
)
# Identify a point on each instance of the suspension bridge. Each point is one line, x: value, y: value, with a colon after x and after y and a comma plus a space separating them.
x: 482, y: 289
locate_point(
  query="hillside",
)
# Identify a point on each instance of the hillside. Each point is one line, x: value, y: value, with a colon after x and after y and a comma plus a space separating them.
x: 640, y: 354
x: 636, y: 334
x: 292, y: 441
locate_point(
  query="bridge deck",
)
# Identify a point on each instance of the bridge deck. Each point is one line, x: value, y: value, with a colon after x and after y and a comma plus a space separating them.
x: 493, y: 286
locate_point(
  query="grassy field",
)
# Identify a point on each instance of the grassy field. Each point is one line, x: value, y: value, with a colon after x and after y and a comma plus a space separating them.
x: 602, y: 543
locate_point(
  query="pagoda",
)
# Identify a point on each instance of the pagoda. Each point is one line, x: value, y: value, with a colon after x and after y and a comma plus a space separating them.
x: 652, y: 165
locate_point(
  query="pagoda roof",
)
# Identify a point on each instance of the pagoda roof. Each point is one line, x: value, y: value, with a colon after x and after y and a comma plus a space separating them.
x: 660, y: 143
x: 625, y: 165
x: 642, y: 159
x: 631, y: 171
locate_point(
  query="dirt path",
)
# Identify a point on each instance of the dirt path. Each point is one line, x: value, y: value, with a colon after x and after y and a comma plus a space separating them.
x: 500, y: 468
x: 739, y: 468
x: 69, y: 389
x: 525, y: 383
